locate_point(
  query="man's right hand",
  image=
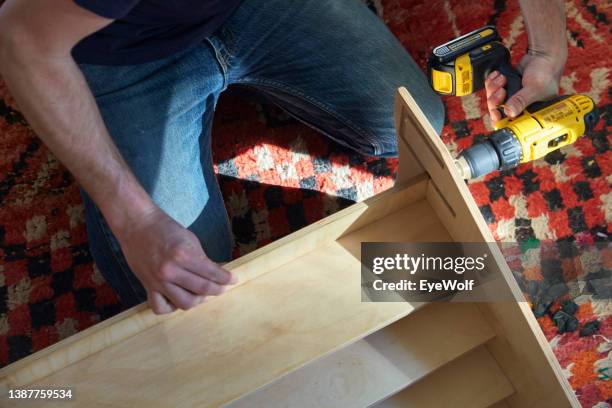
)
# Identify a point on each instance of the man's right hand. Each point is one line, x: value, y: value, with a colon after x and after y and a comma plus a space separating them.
x: 171, y: 264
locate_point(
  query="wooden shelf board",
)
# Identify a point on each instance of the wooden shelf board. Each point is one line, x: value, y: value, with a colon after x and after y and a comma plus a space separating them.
x: 474, y: 380
x: 381, y: 364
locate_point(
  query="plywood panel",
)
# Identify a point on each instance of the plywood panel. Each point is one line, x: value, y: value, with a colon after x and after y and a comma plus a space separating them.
x: 474, y: 380
x: 253, y: 334
x: 520, y: 346
x: 381, y: 364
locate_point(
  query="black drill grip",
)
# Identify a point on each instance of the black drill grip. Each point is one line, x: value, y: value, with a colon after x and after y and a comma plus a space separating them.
x: 514, y: 82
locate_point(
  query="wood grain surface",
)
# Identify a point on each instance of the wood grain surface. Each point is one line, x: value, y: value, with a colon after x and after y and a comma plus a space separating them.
x: 381, y: 364
x: 474, y: 380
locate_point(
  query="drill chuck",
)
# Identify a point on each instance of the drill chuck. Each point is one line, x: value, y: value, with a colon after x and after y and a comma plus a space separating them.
x: 542, y: 128
x: 501, y: 151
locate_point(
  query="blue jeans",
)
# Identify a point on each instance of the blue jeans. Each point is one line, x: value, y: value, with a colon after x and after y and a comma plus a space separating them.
x: 331, y: 63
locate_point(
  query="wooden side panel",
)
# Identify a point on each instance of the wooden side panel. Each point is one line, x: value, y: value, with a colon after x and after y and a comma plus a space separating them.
x: 409, y: 165
x: 254, y: 334
x: 519, y: 354
x: 381, y: 364
x: 520, y: 348
x: 473, y: 381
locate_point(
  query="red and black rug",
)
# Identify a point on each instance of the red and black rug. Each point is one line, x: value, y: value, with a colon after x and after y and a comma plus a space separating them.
x: 278, y: 176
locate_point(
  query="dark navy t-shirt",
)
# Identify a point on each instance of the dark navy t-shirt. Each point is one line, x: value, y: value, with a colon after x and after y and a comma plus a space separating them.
x: 146, y: 30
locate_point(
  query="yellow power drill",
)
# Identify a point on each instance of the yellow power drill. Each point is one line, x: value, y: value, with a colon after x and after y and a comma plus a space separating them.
x: 460, y: 67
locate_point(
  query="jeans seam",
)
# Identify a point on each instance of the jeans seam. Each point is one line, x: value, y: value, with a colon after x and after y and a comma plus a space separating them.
x: 216, y: 181
x: 227, y: 217
x: 221, y: 61
x: 229, y: 43
x: 347, y: 122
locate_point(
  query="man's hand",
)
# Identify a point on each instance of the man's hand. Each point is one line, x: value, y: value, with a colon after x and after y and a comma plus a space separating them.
x: 541, y: 76
x: 170, y: 263
x: 541, y: 67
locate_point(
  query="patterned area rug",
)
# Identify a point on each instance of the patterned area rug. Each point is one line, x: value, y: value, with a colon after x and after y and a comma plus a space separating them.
x: 278, y: 176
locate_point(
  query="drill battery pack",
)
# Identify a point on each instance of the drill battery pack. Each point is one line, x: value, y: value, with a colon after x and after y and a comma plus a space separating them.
x: 460, y: 66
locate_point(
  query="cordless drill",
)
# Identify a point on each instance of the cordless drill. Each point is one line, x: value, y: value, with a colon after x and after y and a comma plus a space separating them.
x: 461, y: 66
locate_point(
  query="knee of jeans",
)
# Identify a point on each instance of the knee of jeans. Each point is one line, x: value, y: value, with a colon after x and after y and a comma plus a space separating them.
x: 432, y: 107
x: 388, y: 148
x: 386, y: 145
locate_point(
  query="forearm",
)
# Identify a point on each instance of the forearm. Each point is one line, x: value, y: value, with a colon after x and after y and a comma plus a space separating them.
x: 545, y: 22
x: 54, y: 97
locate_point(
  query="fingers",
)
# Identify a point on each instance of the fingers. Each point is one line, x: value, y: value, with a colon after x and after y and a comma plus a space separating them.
x: 496, y: 94
x: 206, y: 268
x: 180, y: 297
x: 194, y: 260
x: 185, y: 278
x: 519, y: 101
x: 494, y: 81
x: 494, y: 102
x: 158, y: 303
x: 197, y: 284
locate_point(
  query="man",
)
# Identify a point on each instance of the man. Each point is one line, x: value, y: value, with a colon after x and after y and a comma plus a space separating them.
x: 123, y: 93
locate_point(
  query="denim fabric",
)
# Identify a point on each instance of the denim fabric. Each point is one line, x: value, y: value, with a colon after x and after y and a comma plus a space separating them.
x: 333, y: 64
